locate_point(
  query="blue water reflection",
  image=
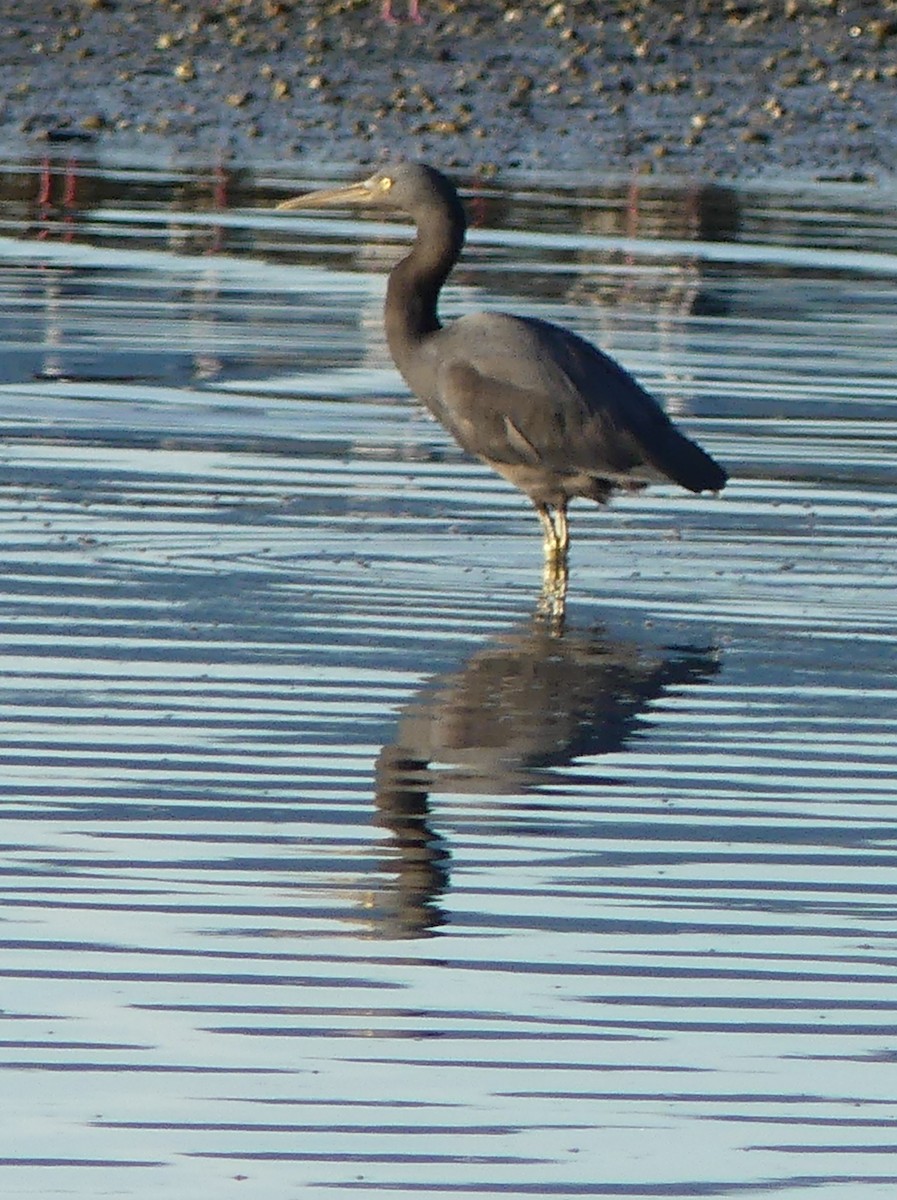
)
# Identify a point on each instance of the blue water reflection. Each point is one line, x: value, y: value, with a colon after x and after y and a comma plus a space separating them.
x: 324, y: 868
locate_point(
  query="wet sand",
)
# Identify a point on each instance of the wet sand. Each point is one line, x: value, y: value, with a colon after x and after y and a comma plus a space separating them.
x: 731, y: 89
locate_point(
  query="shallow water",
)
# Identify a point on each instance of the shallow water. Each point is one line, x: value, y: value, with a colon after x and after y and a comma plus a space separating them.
x: 325, y: 868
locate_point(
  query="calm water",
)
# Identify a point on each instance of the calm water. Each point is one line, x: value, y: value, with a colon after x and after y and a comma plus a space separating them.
x: 325, y: 868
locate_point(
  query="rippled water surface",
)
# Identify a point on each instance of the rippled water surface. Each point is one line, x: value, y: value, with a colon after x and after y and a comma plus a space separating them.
x: 325, y: 867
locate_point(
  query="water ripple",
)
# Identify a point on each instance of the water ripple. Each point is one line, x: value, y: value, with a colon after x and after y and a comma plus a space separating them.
x: 312, y: 831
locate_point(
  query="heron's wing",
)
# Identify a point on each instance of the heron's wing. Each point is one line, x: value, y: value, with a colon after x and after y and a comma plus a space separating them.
x: 506, y: 423
x: 523, y: 392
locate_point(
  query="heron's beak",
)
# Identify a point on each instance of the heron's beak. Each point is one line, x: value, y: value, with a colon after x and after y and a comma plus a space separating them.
x: 355, y: 193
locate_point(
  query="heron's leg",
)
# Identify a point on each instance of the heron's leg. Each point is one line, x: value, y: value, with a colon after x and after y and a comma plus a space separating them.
x: 552, y: 604
x: 549, y: 532
x: 555, y: 530
x: 562, y: 530
x: 553, y: 600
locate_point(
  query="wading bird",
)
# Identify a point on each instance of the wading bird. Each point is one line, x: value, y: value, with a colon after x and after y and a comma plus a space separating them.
x: 540, y: 405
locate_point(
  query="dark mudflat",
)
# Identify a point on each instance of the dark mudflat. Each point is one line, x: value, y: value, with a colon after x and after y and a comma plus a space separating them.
x: 698, y: 88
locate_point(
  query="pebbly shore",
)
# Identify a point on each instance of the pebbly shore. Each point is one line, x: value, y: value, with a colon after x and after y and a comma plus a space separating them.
x: 731, y: 89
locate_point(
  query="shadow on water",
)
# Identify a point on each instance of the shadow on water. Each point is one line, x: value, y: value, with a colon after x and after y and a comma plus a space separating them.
x: 530, y: 699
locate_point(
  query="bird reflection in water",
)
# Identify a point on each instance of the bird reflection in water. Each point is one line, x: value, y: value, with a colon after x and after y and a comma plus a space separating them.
x: 530, y: 699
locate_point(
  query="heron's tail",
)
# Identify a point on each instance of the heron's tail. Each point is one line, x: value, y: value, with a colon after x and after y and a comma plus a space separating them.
x: 687, y: 464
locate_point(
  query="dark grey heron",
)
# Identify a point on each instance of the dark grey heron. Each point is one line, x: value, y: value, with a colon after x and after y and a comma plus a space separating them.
x: 540, y: 405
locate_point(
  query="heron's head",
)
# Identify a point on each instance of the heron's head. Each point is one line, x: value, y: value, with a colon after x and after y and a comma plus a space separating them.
x: 410, y: 187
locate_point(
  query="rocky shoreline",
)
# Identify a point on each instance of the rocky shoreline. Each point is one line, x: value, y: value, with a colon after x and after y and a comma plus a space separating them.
x: 731, y: 89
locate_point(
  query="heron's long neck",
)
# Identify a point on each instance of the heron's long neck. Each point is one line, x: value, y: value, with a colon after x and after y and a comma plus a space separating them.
x: 412, y: 293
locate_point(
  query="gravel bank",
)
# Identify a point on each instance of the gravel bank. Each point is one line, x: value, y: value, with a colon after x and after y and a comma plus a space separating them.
x: 731, y: 89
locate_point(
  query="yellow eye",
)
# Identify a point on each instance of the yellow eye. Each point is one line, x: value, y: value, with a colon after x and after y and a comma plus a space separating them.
x: 385, y: 183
